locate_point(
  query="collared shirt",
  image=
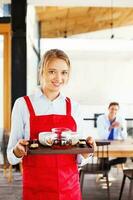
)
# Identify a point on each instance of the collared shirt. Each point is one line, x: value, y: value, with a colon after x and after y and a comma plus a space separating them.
x: 103, y: 125
x: 42, y: 106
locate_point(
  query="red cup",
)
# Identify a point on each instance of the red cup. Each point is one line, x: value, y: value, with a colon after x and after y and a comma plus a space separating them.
x: 59, y: 130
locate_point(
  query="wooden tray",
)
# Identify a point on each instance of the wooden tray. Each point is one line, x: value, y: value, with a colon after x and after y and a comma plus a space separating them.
x: 71, y: 150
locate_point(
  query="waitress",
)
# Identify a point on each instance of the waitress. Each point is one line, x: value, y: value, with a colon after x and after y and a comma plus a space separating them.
x: 46, y: 177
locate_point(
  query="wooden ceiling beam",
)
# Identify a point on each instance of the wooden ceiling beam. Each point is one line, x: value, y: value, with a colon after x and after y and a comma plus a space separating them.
x: 78, y: 28
x: 66, y: 23
x: 55, y: 12
x: 51, y: 14
x: 75, y: 21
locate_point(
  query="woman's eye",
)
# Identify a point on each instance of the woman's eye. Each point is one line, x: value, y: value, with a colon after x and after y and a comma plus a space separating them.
x: 51, y: 72
x: 64, y: 72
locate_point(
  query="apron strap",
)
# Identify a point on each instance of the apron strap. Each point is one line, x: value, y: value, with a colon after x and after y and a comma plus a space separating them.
x: 32, y: 112
x: 29, y: 105
x: 68, y: 106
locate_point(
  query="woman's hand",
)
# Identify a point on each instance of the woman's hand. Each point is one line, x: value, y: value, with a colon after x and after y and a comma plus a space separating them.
x: 20, y: 148
x: 90, y: 141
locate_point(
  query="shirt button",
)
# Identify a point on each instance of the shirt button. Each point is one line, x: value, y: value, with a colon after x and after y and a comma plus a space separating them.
x: 51, y: 103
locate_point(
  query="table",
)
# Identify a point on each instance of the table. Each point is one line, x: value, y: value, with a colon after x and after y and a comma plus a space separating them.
x: 123, y: 148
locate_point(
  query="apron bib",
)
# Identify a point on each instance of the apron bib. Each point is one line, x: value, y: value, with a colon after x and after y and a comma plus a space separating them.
x: 50, y: 177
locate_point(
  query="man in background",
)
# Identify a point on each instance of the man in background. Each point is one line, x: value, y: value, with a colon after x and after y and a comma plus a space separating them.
x: 111, y: 126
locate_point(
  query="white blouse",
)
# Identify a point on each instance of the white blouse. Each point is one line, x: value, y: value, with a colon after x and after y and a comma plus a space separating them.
x: 42, y: 106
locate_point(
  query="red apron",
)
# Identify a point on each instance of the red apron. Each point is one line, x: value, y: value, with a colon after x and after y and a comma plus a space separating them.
x: 50, y: 177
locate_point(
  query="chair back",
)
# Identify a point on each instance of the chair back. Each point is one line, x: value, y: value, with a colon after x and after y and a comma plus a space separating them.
x: 128, y: 173
x: 98, y: 162
x: 98, y: 165
x: 4, y: 145
x: 102, y: 154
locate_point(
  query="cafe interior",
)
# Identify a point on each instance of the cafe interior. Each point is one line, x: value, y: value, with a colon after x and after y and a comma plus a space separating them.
x: 98, y: 37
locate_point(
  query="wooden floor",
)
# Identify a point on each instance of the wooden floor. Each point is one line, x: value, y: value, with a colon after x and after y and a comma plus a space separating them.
x: 97, y: 190
x: 92, y: 190
x: 10, y: 191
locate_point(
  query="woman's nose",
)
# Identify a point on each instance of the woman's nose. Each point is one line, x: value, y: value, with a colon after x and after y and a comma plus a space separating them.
x: 58, y: 77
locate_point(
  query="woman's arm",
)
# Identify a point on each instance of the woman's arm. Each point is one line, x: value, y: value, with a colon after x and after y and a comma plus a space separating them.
x: 18, y: 132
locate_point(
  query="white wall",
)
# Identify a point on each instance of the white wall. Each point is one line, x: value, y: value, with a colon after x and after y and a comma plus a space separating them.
x: 101, y: 73
x: 125, y: 32
x: 32, y: 39
x: 99, y: 77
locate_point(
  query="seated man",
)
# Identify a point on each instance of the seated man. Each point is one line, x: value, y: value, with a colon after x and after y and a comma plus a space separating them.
x: 112, y: 127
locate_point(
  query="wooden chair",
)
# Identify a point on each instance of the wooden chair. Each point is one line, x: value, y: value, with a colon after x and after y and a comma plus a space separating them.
x: 3, y: 150
x: 127, y: 173
x: 98, y: 167
x: 7, y: 168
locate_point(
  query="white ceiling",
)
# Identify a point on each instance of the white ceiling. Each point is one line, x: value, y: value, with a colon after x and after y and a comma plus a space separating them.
x: 97, y: 3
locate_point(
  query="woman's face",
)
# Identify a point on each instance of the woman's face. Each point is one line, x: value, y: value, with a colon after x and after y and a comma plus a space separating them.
x: 55, y: 74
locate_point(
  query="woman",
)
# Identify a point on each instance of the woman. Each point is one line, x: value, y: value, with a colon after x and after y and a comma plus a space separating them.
x: 46, y: 177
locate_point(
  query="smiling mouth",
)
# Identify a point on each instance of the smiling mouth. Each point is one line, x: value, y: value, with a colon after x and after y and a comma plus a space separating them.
x: 56, y: 84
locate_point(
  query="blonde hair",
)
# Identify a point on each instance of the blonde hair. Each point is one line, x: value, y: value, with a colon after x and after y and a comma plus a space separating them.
x: 50, y: 55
